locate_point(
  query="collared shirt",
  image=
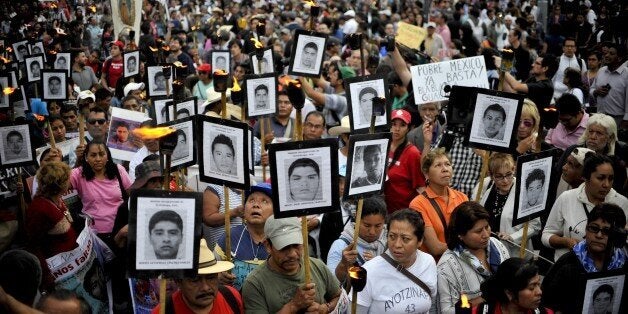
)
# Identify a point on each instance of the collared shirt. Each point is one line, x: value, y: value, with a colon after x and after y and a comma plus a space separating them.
x: 279, y: 129
x: 563, y: 138
x: 616, y: 102
x: 84, y: 78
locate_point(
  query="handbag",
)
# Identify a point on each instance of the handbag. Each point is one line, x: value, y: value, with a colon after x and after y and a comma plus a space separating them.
x: 407, y: 273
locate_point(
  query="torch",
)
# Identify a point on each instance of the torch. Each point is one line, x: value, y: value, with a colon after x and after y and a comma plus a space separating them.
x: 463, y: 306
x: 237, y: 96
x: 355, y: 42
x: 357, y: 277
x: 8, y: 91
x: 315, y: 10
x: 259, y: 53
x: 51, y: 137
x: 156, y: 53
x: 297, y: 98
x: 508, y: 58
x: 167, y: 75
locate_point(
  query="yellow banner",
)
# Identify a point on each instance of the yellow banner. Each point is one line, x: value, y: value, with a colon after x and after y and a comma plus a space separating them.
x: 410, y: 35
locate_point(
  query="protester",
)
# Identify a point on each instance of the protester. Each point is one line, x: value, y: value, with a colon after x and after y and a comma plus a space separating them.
x: 572, y: 122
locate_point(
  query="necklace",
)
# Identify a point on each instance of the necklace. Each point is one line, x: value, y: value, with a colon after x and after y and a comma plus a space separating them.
x: 64, y: 210
x: 254, y: 248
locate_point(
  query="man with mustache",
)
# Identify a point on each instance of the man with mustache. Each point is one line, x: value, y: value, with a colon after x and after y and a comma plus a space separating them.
x: 203, y: 294
x: 277, y: 285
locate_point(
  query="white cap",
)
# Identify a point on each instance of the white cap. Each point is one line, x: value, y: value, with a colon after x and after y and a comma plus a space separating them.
x: 131, y: 87
x: 350, y: 13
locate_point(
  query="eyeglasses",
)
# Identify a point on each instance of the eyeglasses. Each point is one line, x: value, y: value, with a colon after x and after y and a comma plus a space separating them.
x: 507, y: 176
x: 527, y: 123
x: 595, y: 229
x: 99, y: 121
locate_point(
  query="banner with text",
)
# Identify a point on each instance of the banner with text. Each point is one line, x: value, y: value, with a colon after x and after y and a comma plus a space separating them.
x: 410, y: 35
x: 429, y: 80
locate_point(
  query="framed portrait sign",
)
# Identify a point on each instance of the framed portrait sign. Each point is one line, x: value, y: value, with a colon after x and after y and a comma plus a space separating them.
x: 19, y: 102
x: 604, y: 292
x: 159, y: 76
x: 534, y: 177
x: 495, y: 118
x: 223, y: 157
x: 307, y: 53
x: 360, y: 93
x: 366, y: 164
x: 261, y: 94
x: 250, y: 152
x: 54, y: 84
x: 164, y: 233
x: 34, y: 66
x: 63, y: 61
x: 221, y: 60
x: 305, y: 177
x: 16, y: 148
x: 161, y: 110
x: 131, y: 63
x: 267, y: 62
x: 121, y: 141
x: 5, y: 81
x: 36, y: 48
x: 182, y: 109
x: 20, y: 49
x: 184, y: 154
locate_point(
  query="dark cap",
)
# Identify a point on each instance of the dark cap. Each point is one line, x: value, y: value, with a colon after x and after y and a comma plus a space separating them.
x: 144, y: 172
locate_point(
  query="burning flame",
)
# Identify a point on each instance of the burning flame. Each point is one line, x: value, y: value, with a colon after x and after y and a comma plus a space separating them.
x: 60, y: 31
x: 92, y: 8
x: 9, y: 49
x: 310, y: 3
x: 53, y: 5
x: 5, y: 60
x: 286, y: 80
x: 220, y: 72
x: 464, y: 302
x: 52, y: 52
x: 178, y: 64
x: 153, y: 133
x: 166, y: 48
x: 550, y: 109
x: 153, y: 49
x: 8, y: 90
x: 257, y: 43
x: 39, y: 117
x: 236, y: 86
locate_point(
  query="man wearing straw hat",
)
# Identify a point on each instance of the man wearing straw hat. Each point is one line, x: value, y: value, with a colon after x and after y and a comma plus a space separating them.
x: 277, y: 286
x: 203, y: 294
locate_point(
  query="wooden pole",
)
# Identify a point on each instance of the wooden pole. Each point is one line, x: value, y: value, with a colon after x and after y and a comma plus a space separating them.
x: 483, y: 173
x: 524, y: 239
x: 51, y: 137
x: 162, y: 295
x: 81, y: 128
x: 354, y: 301
x: 225, y: 189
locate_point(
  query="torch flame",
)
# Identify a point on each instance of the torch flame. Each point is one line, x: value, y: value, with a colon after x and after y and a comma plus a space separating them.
x: 153, y: 49
x: 147, y: 133
x: 39, y: 117
x: 52, y: 52
x: 236, y: 86
x: 8, y: 90
x: 178, y: 64
x: 166, y: 48
x: 5, y: 60
x: 310, y: 3
x: 286, y: 80
x: 9, y: 49
x: 464, y: 302
x: 257, y: 43
x: 93, y: 8
x: 220, y: 72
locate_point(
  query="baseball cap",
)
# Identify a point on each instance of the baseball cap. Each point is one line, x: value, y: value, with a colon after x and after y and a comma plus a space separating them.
x: 283, y: 231
x: 579, y: 153
x: 333, y: 41
x: 346, y: 72
x: 86, y: 94
x: 144, y: 172
x: 118, y: 43
x: 205, y: 67
x: 430, y: 24
x: 131, y: 87
x: 261, y: 187
x: 401, y: 114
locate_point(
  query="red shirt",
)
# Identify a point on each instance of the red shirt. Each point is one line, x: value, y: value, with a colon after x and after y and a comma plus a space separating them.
x: 114, y: 71
x: 404, y: 177
x: 220, y: 303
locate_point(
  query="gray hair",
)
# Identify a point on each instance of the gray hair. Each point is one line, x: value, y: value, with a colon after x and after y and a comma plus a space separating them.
x: 608, y: 123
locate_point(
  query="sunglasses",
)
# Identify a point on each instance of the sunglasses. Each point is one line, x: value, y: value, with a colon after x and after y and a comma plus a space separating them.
x: 99, y: 121
x: 595, y: 229
x: 527, y: 123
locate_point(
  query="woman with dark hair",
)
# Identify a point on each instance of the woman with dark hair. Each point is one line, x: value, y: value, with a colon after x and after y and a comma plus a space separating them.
x: 237, y: 56
x: 402, y: 267
x: 470, y: 44
x: 573, y: 80
x: 566, y: 222
x: 438, y: 201
x: 601, y: 250
x: 514, y: 288
x: 102, y: 186
x: 48, y: 221
x: 472, y: 256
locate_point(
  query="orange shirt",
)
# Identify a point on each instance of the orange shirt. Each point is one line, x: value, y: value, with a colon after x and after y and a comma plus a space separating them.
x: 431, y: 218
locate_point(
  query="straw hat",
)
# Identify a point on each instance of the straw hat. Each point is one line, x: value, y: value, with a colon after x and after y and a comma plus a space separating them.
x: 344, y: 127
x: 207, y: 263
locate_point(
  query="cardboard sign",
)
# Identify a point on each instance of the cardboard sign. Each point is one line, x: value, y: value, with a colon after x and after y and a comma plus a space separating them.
x: 428, y: 80
x: 410, y: 35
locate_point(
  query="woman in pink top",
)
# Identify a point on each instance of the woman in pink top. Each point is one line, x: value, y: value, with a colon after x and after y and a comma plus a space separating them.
x: 97, y: 181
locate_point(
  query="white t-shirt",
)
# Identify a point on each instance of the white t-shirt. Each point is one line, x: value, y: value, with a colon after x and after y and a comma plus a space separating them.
x: 389, y: 291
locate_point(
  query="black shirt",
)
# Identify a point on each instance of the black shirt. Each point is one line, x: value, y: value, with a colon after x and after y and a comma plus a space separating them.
x: 541, y: 93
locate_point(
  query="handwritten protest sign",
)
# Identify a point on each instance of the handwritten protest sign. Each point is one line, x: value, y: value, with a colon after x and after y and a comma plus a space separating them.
x: 428, y: 80
x: 410, y: 35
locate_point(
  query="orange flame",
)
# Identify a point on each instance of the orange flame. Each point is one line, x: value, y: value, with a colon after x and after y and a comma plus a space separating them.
x: 153, y: 49
x: 178, y: 64
x: 257, y: 43
x: 9, y: 49
x: 310, y: 3
x: 5, y: 60
x: 220, y: 72
x: 147, y: 133
x: 93, y: 8
x: 354, y: 272
x: 286, y: 80
x: 39, y: 117
x: 464, y: 302
x: 52, y: 52
x: 8, y: 90
x: 236, y: 86
x: 166, y: 48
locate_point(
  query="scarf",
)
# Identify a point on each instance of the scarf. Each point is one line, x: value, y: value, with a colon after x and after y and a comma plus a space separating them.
x: 618, y: 258
x: 494, y: 258
x: 377, y: 247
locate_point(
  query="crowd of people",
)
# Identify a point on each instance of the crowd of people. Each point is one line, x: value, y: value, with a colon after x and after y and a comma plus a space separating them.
x: 436, y: 232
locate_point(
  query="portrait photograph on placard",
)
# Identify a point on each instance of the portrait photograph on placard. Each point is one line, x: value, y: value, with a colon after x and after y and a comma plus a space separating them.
x: 494, y: 115
x: 34, y: 66
x: 5, y: 80
x: 37, y: 48
x: 19, y: 101
x: 307, y: 54
x: 17, y: 149
x: 54, y: 84
x: 261, y: 94
x: 603, y: 292
x: 158, y: 80
x: 184, y: 154
x: 131, y: 63
x: 161, y: 109
x: 164, y: 232
x: 121, y: 141
x: 360, y: 93
x: 304, y: 180
x: 366, y: 164
x: 268, y: 66
x: 223, y: 157
x: 221, y: 60
x: 20, y: 49
x: 63, y: 61
x: 182, y: 109
x: 534, y: 177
